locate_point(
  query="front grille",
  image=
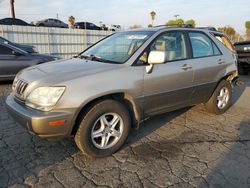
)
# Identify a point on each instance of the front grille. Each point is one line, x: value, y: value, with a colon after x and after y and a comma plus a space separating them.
x: 19, y: 87
x: 243, y: 55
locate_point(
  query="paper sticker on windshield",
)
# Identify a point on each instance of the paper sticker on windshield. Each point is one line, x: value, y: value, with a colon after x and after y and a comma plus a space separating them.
x: 137, y: 37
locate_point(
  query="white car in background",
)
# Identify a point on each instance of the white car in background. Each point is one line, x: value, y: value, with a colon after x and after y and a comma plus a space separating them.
x: 114, y: 27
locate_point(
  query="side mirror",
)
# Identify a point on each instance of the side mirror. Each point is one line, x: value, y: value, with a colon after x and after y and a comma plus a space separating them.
x: 157, y: 57
x: 15, y: 53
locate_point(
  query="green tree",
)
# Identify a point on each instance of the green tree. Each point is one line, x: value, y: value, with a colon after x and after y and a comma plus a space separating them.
x: 71, y: 21
x: 153, y: 15
x: 190, y: 22
x: 247, y: 25
x: 177, y: 22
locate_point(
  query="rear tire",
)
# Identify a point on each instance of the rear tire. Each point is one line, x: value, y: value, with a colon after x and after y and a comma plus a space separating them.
x: 221, y: 99
x: 104, y: 129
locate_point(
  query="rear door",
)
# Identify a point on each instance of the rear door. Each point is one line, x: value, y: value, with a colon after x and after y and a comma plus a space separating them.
x: 170, y: 85
x: 208, y: 64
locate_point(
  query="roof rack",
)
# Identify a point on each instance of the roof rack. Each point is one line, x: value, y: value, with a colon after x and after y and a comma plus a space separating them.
x: 188, y: 26
x: 208, y: 28
x: 182, y: 26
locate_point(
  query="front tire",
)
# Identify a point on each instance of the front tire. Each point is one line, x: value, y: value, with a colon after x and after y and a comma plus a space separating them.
x: 221, y: 99
x: 104, y: 129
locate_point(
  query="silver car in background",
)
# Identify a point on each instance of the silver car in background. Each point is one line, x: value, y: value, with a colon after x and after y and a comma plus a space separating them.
x: 51, y: 22
x: 120, y: 81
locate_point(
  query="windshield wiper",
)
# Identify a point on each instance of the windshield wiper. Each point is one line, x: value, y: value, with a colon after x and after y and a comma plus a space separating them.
x: 93, y: 57
x: 83, y: 56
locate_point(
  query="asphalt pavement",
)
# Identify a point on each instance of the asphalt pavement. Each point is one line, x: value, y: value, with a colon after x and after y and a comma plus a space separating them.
x: 186, y: 148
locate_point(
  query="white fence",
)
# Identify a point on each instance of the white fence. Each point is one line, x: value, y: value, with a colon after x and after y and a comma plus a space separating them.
x: 55, y: 41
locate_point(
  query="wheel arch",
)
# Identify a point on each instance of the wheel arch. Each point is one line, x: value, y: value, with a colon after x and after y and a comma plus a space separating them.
x: 123, y: 97
x: 230, y: 76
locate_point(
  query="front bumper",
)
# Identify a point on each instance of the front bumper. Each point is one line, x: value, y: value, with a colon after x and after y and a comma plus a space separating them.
x: 38, y: 122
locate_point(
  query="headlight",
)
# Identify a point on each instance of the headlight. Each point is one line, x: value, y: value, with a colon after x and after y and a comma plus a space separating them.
x: 44, y: 98
x: 14, y: 83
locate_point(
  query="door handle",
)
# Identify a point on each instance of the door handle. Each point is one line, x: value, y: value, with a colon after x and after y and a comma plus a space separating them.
x: 221, y: 61
x: 186, y: 67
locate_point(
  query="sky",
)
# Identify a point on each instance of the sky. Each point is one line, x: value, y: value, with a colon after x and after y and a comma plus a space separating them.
x: 130, y: 12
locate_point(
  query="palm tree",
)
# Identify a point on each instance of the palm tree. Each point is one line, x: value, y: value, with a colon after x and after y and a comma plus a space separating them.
x: 71, y: 22
x: 12, y: 8
x: 152, y: 14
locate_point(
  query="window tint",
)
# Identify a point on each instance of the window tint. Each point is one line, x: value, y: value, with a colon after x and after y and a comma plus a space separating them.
x: 173, y: 43
x: 5, y: 50
x: 202, y: 45
x: 216, y: 49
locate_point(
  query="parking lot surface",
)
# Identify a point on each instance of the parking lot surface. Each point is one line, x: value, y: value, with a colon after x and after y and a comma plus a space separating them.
x: 185, y: 148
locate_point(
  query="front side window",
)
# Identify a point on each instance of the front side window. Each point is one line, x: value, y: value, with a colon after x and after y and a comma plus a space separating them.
x: 173, y: 44
x: 5, y: 50
x: 117, y: 48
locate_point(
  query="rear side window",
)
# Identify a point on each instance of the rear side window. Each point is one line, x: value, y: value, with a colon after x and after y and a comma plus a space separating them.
x: 216, y: 50
x: 5, y: 51
x: 202, y: 45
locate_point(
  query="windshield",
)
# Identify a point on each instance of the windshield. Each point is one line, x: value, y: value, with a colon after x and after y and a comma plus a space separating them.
x: 117, y: 48
x: 2, y: 40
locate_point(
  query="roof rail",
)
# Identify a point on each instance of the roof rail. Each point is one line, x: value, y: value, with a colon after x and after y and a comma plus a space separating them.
x: 182, y: 25
x: 188, y: 26
x: 208, y: 28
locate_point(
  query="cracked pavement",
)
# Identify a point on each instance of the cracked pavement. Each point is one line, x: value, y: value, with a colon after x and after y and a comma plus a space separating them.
x: 185, y: 148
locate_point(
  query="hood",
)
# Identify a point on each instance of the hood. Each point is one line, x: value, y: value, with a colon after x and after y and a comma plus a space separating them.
x: 43, y: 57
x: 242, y: 43
x: 65, y: 70
x: 24, y: 45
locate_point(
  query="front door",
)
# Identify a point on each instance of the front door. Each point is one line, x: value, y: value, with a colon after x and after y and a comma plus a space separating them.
x: 170, y: 85
x: 10, y: 64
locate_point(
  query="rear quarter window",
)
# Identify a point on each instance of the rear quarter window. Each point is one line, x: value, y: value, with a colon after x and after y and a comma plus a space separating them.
x: 225, y: 41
